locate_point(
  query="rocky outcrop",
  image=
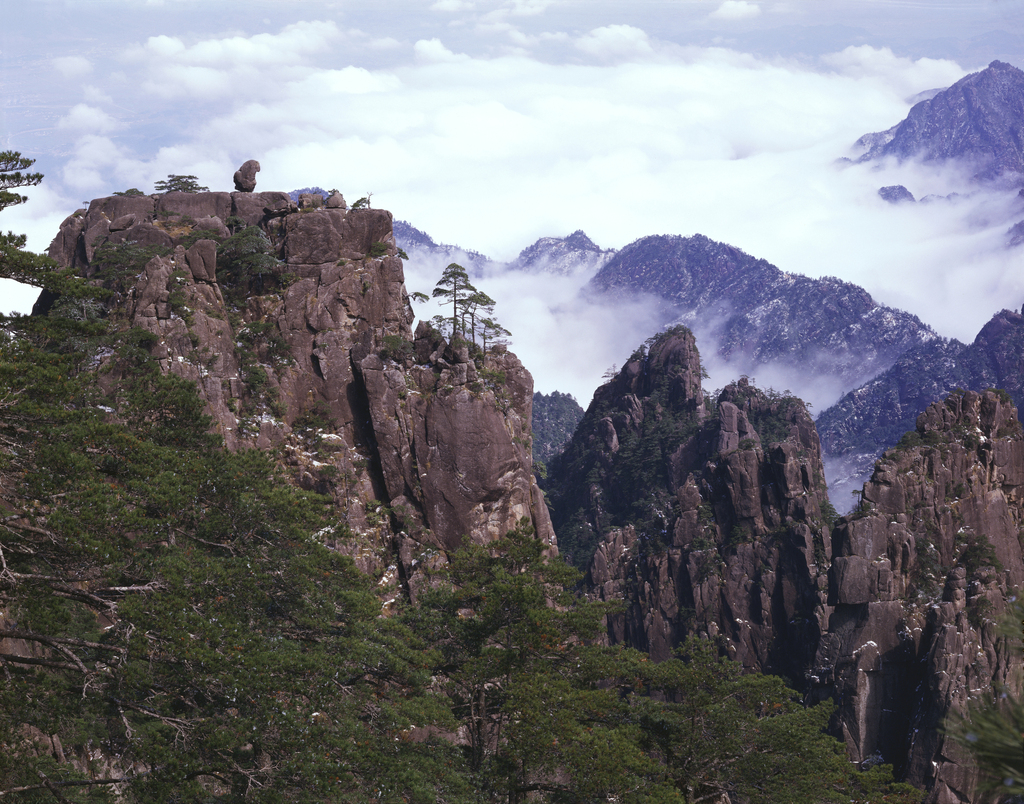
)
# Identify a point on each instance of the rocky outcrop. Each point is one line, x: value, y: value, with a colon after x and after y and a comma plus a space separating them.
x: 716, y: 522
x: 920, y: 575
x: 868, y: 419
x: 296, y: 331
x: 708, y: 522
x: 245, y: 176
x: 896, y: 194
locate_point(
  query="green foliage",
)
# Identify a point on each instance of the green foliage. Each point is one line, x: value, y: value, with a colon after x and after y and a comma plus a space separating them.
x: 397, y: 348
x: 719, y: 732
x: 246, y: 263
x: 517, y: 675
x: 12, y: 164
x: 266, y: 340
x: 829, y: 514
x: 130, y: 192
x: 471, y: 310
x: 177, y: 183
x: 994, y: 726
x: 554, y: 420
x: 119, y: 265
x: 378, y: 249
x: 186, y: 621
x: 976, y: 554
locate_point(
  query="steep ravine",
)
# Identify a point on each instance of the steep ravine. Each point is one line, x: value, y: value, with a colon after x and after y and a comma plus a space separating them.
x: 420, y: 444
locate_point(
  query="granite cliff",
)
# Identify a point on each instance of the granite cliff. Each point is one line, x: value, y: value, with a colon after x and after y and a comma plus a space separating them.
x: 868, y: 418
x: 701, y: 520
x: 919, y: 577
x: 715, y: 520
x: 294, y: 323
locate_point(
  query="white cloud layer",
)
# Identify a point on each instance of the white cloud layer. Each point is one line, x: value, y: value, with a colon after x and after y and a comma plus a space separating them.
x: 736, y: 10
x: 522, y: 127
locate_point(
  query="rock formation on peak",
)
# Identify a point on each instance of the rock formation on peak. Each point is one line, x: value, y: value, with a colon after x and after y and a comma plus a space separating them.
x: 873, y: 416
x: 979, y: 120
x: 920, y: 575
x: 896, y: 194
x: 295, y: 327
x: 245, y: 176
x: 716, y: 521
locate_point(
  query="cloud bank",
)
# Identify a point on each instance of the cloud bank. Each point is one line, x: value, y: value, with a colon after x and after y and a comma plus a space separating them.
x: 539, y: 129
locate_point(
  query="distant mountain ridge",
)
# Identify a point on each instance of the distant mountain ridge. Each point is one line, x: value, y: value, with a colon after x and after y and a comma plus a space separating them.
x: 979, y: 119
x: 565, y: 256
x: 879, y: 412
x: 753, y: 313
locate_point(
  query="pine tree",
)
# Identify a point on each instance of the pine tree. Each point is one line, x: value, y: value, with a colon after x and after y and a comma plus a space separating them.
x: 455, y: 286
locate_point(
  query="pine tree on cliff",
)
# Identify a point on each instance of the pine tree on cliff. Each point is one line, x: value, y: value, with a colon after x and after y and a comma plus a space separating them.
x: 454, y: 285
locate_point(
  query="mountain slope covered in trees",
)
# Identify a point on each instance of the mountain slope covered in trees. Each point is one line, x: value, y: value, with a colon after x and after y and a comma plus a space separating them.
x: 229, y: 473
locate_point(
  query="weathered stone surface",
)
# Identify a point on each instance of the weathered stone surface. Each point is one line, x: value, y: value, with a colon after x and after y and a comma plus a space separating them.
x: 122, y: 222
x: 311, y: 239
x: 143, y: 234
x: 214, y: 225
x: 195, y: 205
x: 907, y: 590
x: 202, y: 260
x: 335, y: 201
x: 419, y: 455
x: 65, y: 246
x: 245, y: 176
x: 251, y: 207
x: 734, y: 555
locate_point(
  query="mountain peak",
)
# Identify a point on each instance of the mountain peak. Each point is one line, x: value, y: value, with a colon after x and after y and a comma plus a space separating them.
x: 980, y: 119
x: 562, y: 255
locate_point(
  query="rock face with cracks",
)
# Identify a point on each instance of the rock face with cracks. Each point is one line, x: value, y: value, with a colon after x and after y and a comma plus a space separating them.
x: 920, y: 577
x: 422, y: 444
x: 716, y: 522
x: 706, y: 521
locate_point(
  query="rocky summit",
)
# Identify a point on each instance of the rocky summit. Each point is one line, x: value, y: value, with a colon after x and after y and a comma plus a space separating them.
x: 687, y: 516
x: 920, y: 576
x: 872, y: 417
x: 420, y: 445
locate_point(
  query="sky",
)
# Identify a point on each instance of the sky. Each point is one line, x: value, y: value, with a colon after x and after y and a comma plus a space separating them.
x: 492, y: 123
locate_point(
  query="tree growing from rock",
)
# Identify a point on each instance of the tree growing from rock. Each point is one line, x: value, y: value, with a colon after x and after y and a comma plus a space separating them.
x: 472, y: 309
x: 177, y: 183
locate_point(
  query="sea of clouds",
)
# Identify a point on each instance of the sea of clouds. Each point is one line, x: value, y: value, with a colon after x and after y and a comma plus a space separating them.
x: 493, y: 124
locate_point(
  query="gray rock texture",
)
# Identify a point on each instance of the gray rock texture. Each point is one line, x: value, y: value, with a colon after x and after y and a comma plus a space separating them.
x: 706, y: 521
x: 421, y: 446
x: 716, y: 522
x: 245, y: 176
x: 920, y: 576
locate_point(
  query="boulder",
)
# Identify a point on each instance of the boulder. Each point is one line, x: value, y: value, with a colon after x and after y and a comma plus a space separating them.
x: 245, y: 176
